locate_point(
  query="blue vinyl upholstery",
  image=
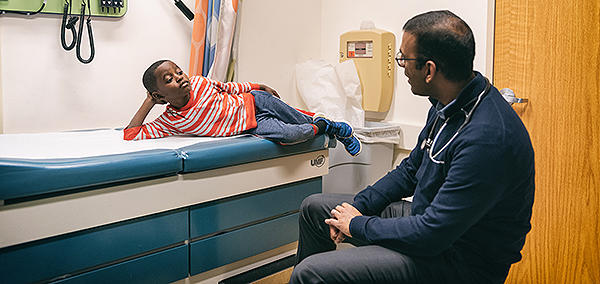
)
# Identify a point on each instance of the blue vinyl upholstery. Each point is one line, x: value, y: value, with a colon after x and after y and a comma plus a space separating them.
x: 243, y: 149
x: 28, y: 177
x: 23, y: 178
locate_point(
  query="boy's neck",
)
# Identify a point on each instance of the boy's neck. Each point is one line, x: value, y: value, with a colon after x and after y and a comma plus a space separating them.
x: 180, y: 103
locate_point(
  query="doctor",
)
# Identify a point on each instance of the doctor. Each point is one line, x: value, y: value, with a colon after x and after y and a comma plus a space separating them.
x: 471, y: 176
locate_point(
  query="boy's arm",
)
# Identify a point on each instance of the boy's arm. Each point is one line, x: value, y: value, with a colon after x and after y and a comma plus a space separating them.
x: 237, y: 88
x: 136, y: 130
x: 268, y: 90
x: 140, y: 115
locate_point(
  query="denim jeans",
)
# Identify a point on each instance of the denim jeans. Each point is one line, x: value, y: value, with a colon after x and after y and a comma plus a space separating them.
x: 280, y: 122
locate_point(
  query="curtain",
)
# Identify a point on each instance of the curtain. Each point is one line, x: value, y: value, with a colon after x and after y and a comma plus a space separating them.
x: 212, y: 38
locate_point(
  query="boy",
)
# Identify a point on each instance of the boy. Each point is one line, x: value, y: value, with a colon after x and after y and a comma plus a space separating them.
x: 203, y: 107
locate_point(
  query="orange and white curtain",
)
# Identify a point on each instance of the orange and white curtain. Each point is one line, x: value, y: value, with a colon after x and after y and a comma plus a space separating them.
x: 212, y: 38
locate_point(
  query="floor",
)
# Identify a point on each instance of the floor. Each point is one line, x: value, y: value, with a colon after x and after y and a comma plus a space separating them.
x: 277, y: 278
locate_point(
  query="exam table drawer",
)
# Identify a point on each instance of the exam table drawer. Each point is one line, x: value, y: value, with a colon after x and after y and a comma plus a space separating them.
x: 162, y: 267
x: 226, y: 248
x: 231, y: 212
x: 57, y: 256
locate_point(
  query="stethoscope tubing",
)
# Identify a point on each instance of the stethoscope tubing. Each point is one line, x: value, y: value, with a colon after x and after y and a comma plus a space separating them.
x: 468, y: 115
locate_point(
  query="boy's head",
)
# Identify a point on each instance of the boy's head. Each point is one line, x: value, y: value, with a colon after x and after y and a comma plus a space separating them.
x: 166, y: 82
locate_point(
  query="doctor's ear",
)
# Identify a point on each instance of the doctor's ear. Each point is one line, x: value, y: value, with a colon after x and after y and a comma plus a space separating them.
x: 431, y: 71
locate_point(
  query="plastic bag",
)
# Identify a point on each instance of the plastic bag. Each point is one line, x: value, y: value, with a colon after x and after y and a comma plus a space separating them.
x: 331, y: 90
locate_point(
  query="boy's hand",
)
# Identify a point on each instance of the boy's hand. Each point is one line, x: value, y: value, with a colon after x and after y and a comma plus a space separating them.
x: 269, y: 90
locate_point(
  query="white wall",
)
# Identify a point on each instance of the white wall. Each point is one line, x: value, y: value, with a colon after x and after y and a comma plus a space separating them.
x: 339, y: 16
x: 276, y: 35
x: 1, y: 99
x: 45, y: 88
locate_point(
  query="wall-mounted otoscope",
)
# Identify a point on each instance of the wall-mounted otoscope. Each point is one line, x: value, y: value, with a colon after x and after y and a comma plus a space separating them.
x: 184, y: 9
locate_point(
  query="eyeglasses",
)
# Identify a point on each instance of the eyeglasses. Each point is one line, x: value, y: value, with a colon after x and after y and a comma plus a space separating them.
x: 402, y: 60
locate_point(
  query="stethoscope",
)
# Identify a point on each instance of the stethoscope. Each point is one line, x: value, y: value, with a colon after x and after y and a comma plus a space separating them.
x: 429, y: 143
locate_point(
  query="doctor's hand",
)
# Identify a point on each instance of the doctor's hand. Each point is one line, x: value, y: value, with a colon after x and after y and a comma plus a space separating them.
x: 341, y: 217
x: 335, y: 235
x: 269, y: 90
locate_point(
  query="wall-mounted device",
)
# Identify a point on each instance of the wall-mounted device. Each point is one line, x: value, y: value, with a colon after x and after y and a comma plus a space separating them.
x: 372, y: 51
x: 102, y: 8
x: 114, y: 4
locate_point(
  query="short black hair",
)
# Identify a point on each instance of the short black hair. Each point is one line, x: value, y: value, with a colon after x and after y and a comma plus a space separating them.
x: 149, y: 79
x: 444, y: 38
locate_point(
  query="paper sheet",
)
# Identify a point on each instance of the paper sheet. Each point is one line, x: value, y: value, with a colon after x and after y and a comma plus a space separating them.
x: 86, y: 143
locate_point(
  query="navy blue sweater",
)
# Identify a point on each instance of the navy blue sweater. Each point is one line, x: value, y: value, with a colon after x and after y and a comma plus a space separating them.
x: 477, y: 204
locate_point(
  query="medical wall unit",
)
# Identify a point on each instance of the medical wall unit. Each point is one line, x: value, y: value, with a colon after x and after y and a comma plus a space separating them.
x: 372, y: 51
x: 86, y: 206
x: 103, y: 8
x: 74, y: 14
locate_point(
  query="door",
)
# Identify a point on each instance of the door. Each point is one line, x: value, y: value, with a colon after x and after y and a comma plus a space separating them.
x: 548, y: 51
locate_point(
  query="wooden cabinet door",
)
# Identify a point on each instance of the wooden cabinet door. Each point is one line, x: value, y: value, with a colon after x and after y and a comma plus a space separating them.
x: 548, y: 51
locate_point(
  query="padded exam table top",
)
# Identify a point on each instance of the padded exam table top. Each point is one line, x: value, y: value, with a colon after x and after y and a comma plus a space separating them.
x: 44, y: 163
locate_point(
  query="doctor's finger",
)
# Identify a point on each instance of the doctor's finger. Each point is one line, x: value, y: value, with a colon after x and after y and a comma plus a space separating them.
x: 333, y: 232
x: 340, y: 208
x: 340, y: 238
x: 334, y: 212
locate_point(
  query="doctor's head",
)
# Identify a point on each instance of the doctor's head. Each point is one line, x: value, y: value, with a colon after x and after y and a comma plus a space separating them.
x: 166, y: 82
x: 433, y: 44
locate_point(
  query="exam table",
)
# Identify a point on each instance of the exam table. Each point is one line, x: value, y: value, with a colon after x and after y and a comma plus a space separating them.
x: 87, y: 206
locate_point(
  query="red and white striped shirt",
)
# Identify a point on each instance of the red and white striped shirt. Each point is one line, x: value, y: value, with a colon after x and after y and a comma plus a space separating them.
x: 215, y: 109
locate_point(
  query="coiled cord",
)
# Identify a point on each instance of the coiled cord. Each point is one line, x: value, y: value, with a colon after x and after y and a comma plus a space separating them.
x: 90, y: 34
x: 68, y: 25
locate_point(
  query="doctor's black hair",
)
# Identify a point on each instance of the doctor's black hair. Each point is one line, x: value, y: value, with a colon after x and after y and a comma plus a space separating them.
x: 149, y: 79
x: 444, y: 38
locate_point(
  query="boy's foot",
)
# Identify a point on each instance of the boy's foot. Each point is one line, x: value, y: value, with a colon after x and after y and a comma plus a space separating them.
x: 334, y: 128
x: 352, y: 145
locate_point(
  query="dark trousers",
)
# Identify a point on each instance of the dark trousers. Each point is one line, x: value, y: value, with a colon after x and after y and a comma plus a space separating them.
x: 318, y: 262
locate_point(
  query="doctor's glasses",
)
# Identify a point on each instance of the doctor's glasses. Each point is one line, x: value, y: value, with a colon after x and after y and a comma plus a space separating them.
x: 402, y: 60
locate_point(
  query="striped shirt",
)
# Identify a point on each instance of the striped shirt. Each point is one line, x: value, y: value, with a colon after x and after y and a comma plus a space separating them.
x: 215, y: 109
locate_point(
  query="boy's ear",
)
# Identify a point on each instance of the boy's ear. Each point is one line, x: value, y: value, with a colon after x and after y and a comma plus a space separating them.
x: 156, y: 96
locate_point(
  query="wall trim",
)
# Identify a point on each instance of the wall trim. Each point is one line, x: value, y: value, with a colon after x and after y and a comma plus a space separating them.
x: 489, y: 57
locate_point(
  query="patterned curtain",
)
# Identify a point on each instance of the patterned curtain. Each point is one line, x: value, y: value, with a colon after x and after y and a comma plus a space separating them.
x: 212, y: 38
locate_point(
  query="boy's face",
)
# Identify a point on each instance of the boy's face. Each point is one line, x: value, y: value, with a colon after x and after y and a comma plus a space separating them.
x: 173, y: 85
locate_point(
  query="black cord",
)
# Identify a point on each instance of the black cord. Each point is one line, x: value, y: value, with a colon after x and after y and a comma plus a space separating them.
x: 68, y: 25
x: 90, y: 35
x: 25, y: 12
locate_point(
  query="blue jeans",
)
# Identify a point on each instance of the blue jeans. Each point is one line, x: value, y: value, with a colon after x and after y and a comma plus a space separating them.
x: 280, y: 122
